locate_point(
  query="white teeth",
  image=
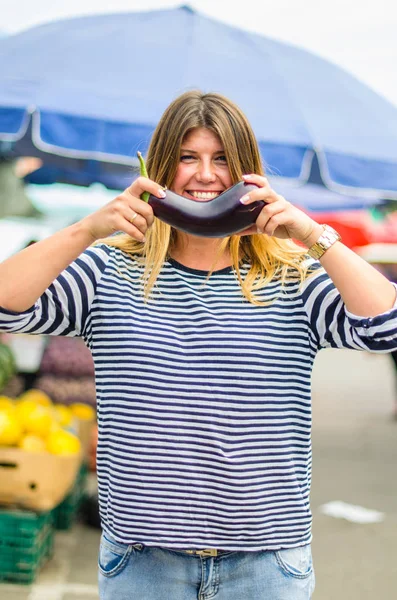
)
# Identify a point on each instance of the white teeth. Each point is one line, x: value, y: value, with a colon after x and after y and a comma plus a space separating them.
x: 205, y: 195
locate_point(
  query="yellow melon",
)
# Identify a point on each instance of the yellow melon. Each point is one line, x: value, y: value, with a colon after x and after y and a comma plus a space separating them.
x: 63, y: 414
x: 37, y: 396
x: 83, y: 411
x: 35, y: 418
x: 6, y: 402
x: 32, y: 443
x: 10, y: 428
x: 63, y: 443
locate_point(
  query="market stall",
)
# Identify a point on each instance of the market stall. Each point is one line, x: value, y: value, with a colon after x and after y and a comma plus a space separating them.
x: 45, y: 449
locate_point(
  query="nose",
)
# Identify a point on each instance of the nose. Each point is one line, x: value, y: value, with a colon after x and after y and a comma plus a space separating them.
x: 206, y: 172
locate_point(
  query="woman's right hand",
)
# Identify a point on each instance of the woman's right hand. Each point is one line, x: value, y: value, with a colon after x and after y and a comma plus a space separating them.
x: 127, y: 212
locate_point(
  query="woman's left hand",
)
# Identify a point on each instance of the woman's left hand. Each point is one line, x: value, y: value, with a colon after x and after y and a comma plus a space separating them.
x: 279, y: 218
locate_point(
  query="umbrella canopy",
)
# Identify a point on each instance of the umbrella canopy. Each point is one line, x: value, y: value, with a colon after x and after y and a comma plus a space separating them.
x: 313, y: 197
x: 90, y: 90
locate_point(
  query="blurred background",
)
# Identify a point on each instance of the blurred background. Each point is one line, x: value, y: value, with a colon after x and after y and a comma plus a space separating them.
x: 82, y: 86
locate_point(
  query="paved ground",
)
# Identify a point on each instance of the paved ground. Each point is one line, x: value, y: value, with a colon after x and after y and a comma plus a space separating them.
x: 355, y: 458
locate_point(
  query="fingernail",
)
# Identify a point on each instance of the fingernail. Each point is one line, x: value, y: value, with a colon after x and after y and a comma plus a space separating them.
x: 161, y: 193
x: 259, y: 230
x: 143, y: 239
x: 246, y: 176
x: 245, y: 199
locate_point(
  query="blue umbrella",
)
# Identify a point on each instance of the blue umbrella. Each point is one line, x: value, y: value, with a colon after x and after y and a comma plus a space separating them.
x: 86, y: 93
x: 313, y: 196
x: 316, y: 198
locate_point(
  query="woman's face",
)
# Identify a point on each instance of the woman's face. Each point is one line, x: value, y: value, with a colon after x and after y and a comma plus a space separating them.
x: 202, y: 171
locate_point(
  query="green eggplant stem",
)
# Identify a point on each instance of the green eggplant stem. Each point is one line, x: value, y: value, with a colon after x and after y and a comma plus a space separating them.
x: 143, y: 173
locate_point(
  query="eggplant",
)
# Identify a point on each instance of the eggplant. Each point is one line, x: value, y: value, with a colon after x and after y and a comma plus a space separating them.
x: 220, y: 217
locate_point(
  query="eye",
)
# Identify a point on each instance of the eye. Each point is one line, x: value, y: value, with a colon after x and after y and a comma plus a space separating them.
x: 186, y: 157
x: 222, y: 158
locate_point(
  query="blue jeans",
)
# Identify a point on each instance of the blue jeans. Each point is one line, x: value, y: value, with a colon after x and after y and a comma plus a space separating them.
x: 138, y: 572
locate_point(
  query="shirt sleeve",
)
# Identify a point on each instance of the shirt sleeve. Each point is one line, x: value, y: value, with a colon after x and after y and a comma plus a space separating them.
x: 64, y: 307
x: 333, y: 326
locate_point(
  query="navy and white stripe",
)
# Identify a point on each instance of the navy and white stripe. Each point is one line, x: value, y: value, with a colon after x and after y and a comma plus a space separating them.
x: 203, y: 398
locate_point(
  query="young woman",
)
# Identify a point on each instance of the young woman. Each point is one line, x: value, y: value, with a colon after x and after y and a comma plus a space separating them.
x: 203, y: 352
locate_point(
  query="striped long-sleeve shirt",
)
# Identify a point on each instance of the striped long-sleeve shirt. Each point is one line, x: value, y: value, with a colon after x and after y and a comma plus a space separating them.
x: 204, y: 406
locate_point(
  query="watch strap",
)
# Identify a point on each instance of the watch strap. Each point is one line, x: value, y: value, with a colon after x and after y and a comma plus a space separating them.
x: 327, y: 239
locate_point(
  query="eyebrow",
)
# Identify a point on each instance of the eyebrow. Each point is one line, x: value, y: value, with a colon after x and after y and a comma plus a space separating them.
x: 195, y: 151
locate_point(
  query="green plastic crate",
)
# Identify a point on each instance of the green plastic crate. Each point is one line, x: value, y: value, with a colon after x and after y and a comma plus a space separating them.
x: 65, y: 514
x: 26, y: 542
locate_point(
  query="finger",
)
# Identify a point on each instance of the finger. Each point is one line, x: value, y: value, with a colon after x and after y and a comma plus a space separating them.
x: 144, y: 210
x: 272, y: 224
x: 260, y: 180
x: 143, y: 184
x: 138, y: 221
x: 263, y: 192
x: 133, y: 204
x: 132, y: 230
x: 264, y: 216
x: 133, y: 217
x: 267, y: 214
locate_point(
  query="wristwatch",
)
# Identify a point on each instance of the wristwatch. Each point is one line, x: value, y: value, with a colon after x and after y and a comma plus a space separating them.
x: 327, y: 239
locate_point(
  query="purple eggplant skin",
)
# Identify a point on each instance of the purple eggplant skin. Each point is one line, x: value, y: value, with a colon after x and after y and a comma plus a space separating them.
x: 220, y: 217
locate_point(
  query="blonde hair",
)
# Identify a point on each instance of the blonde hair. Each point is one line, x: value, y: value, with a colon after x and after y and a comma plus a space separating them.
x: 268, y: 256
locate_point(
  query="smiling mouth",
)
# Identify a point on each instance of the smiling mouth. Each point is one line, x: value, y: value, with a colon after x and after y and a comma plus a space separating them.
x: 202, y: 196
